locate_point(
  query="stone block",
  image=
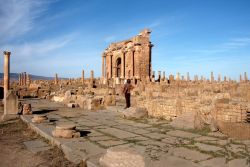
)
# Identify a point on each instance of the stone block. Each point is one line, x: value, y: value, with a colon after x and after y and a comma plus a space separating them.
x: 72, y: 105
x: 135, y: 113
x: 11, y: 103
x: 109, y: 100
x: 122, y: 157
x: 27, y: 110
x: 95, y: 103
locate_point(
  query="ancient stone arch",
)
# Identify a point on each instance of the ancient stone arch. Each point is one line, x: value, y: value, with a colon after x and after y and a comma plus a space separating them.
x: 128, y: 59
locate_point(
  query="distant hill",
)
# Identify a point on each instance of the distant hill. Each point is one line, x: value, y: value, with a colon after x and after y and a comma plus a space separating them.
x: 14, y: 76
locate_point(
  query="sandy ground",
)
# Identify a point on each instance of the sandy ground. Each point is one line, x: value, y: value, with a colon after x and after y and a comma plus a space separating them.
x: 13, y: 152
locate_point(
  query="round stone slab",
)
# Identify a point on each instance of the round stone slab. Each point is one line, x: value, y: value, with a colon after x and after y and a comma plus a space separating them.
x: 65, y: 127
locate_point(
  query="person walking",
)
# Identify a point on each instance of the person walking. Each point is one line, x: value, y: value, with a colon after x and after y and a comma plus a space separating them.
x: 127, y: 90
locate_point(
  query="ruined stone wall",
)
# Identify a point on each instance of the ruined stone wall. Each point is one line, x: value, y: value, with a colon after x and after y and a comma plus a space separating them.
x: 223, y: 101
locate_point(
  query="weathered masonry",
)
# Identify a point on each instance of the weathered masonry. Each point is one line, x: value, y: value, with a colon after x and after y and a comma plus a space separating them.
x: 129, y: 59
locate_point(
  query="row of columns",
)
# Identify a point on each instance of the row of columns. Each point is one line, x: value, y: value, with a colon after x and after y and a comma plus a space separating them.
x: 24, y: 79
x: 196, y: 77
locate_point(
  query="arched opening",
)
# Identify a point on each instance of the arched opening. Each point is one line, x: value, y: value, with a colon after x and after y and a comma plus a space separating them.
x: 118, y: 67
x: 1, y: 93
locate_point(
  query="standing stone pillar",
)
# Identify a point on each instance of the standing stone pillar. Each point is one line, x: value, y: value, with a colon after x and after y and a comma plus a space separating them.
x: 83, y: 77
x: 212, y: 77
x: 20, y: 79
x: 92, y: 75
x: 6, y: 72
x: 188, y: 78
x: 163, y: 75
x: 123, y: 65
x: 178, y: 76
x: 25, y: 78
x: 240, y: 78
x: 225, y: 78
x: 245, y: 76
x: 219, y: 78
x: 133, y: 64
x: 56, y: 79
x: 159, y: 75
x: 28, y: 79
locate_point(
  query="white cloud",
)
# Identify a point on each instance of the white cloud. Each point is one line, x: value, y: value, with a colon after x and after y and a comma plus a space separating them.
x: 236, y: 43
x: 38, y: 49
x: 17, y: 17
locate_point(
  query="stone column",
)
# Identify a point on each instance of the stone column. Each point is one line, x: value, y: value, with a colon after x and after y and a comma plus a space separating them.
x: 20, y: 79
x: 6, y: 72
x: 103, y: 66
x: 240, y: 78
x: 123, y: 65
x: 111, y: 66
x: 245, y: 76
x: 178, y: 76
x: 159, y: 75
x: 188, y: 78
x: 25, y: 78
x: 163, y: 75
x: 92, y: 75
x: 212, y: 77
x: 225, y: 78
x: 28, y: 79
x: 56, y: 79
x: 83, y: 77
x: 219, y: 78
x: 133, y: 64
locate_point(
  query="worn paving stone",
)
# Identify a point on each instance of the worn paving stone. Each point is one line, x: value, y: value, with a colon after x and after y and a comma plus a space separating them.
x: 138, y: 138
x: 217, y: 134
x: 100, y: 138
x: 206, y: 138
x: 95, y: 133
x: 170, y: 140
x: 215, y: 162
x: 206, y: 147
x: 172, y: 161
x: 140, y: 125
x: 89, y: 123
x: 118, y: 133
x: 153, y: 143
x: 238, y: 163
x: 190, y: 154
x: 182, y: 134
x: 140, y: 131
x: 110, y: 143
x: 155, y: 135
x: 36, y: 146
x: 77, y: 151
x: 236, y: 148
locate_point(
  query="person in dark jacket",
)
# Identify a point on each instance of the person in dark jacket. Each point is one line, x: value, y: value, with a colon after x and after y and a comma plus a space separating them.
x: 127, y: 90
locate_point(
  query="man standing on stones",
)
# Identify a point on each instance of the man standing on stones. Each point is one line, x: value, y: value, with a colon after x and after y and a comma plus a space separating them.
x: 127, y: 90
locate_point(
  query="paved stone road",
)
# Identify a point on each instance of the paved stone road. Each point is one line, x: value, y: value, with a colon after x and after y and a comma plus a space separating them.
x: 161, y: 144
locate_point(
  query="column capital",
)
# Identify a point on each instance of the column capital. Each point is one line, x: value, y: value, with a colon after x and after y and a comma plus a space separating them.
x: 7, y: 53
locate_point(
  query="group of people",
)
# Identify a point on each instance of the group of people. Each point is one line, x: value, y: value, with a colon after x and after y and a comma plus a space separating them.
x: 126, y: 90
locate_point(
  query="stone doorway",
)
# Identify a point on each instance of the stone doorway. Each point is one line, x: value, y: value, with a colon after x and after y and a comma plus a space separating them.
x: 118, y: 67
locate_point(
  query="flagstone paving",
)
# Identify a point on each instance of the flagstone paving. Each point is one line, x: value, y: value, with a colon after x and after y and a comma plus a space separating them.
x: 156, y: 140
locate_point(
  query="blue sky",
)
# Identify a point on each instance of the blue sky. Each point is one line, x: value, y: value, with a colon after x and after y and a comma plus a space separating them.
x: 66, y: 36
